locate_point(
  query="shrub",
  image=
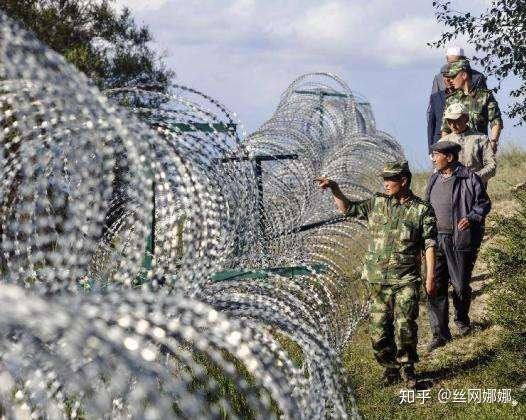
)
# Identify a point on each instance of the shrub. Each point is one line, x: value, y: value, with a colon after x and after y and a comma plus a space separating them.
x: 506, y: 259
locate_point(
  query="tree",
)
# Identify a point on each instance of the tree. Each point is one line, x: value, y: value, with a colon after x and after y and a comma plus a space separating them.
x: 498, y: 36
x: 106, y: 45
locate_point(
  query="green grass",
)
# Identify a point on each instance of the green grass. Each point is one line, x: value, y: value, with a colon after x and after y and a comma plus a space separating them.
x: 511, y: 165
x: 490, y: 358
x: 482, y: 361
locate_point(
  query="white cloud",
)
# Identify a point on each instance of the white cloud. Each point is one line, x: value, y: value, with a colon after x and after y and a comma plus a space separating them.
x: 403, y: 42
x: 242, y: 8
x: 325, y: 24
x: 392, y: 34
x: 246, y: 52
x: 137, y: 5
x: 336, y: 29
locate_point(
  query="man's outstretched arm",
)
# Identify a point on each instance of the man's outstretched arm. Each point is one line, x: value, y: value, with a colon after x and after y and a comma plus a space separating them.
x: 357, y: 209
x: 342, y: 203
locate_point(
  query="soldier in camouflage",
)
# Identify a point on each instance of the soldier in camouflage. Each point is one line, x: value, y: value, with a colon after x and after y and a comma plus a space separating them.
x: 402, y: 226
x: 482, y: 107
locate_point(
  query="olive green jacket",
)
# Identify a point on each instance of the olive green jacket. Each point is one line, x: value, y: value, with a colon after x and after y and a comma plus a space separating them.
x: 482, y: 107
x: 399, y: 234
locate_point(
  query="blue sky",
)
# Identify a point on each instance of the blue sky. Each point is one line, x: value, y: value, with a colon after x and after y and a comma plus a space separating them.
x: 246, y: 52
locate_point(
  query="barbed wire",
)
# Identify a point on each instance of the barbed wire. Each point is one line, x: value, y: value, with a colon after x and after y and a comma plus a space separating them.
x: 152, y: 255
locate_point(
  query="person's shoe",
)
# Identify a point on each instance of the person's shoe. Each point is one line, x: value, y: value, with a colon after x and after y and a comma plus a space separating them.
x: 409, y: 376
x: 435, y: 343
x: 464, y: 330
x: 391, y: 376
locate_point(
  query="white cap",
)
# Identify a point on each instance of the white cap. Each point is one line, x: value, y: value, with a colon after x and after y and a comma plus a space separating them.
x: 458, y: 51
x: 455, y: 111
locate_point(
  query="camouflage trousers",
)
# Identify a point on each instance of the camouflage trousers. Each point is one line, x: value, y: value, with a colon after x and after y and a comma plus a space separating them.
x: 393, y: 327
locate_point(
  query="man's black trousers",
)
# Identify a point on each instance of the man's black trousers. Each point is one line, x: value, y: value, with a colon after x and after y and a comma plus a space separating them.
x: 455, y: 267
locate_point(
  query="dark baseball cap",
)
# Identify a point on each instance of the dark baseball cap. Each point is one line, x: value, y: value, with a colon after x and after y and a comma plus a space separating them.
x: 445, y: 146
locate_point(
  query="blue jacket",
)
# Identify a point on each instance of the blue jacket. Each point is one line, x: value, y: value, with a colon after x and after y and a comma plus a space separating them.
x: 470, y: 200
x: 435, y: 112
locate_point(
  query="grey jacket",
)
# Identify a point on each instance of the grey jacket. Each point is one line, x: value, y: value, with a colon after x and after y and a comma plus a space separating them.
x: 470, y: 200
x: 476, y: 153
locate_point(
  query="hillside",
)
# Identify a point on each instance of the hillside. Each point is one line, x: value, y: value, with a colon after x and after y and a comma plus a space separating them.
x: 485, y: 360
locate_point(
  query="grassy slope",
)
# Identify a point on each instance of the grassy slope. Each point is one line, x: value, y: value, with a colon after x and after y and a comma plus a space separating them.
x: 483, y: 360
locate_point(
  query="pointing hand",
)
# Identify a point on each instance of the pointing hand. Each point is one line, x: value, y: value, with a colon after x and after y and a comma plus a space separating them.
x: 325, y: 183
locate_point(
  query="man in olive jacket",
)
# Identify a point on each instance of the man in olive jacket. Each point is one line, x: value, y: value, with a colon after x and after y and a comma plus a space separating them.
x: 461, y: 204
x: 401, y: 227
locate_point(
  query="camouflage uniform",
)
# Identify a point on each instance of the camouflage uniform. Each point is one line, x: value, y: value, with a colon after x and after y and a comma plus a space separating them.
x: 481, y: 104
x: 399, y: 233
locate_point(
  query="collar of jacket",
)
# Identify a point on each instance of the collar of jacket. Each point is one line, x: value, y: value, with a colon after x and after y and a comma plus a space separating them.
x: 468, y: 132
x: 410, y: 198
x: 460, y: 172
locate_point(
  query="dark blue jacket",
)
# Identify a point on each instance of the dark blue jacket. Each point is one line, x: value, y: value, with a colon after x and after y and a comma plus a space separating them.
x: 435, y: 111
x: 470, y: 200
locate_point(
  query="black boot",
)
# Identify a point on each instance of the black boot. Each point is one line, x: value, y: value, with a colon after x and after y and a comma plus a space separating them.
x: 391, y: 376
x: 435, y: 343
x: 409, y: 376
x: 464, y: 330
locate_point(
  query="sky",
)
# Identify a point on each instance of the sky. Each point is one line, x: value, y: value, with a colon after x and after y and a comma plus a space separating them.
x: 245, y: 53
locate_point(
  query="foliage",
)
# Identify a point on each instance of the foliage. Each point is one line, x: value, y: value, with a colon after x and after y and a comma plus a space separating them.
x: 497, y: 35
x: 506, y: 260
x: 106, y: 45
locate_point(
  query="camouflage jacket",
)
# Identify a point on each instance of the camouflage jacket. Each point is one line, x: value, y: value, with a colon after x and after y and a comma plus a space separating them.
x: 482, y: 108
x: 476, y: 153
x: 399, y: 234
